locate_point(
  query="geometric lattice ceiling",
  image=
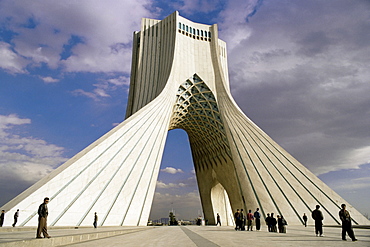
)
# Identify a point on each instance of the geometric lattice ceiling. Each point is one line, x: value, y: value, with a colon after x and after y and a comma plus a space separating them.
x: 197, y: 113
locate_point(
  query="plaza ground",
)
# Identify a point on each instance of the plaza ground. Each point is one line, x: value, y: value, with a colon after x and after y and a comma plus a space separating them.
x: 205, y: 236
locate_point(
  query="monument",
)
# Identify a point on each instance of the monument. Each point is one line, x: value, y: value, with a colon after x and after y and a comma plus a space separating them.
x: 179, y: 79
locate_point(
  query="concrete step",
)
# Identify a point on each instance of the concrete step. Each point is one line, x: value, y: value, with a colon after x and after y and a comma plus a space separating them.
x: 61, y: 236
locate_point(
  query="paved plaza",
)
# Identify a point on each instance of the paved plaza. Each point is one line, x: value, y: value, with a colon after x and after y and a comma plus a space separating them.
x: 203, y: 236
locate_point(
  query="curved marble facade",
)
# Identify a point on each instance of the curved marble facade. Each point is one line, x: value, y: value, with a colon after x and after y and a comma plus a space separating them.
x: 179, y: 79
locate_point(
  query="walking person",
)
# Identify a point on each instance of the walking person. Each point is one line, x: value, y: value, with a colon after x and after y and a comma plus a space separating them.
x: 2, y: 217
x: 304, y: 217
x: 318, y: 218
x: 257, y: 219
x: 43, y: 215
x: 345, y: 217
x: 250, y: 219
x: 237, y: 220
x: 16, y: 215
x: 218, y: 220
x: 95, y: 220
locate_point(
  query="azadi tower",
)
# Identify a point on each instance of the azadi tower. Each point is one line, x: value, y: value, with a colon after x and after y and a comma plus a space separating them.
x: 179, y: 79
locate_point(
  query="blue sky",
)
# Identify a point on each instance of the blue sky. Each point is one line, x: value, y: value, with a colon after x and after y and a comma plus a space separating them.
x: 298, y: 69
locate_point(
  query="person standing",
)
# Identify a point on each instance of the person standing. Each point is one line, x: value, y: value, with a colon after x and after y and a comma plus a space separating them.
x: 242, y: 220
x: 257, y: 219
x: 237, y: 220
x: 95, y: 220
x: 268, y: 222
x: 218, y: 220
x: 273, y: 223
x: 304, y: 217
x: 345, y: 217
x: 250, y: 219
x: 281, y: 224
x: 16, y: 215
x: 43, y: 215
x: 2, y: 217
x: 318, y: 218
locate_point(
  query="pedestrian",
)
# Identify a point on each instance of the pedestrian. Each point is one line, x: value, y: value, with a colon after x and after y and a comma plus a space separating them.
x: 268, y: 222
x: 304, y: 217
x: 16, y: 215
x: 257, y: 219
x: 250, y: 219
x: 318, y: 218
x: 242, y: 220
x: 43, y: 215
x: 273, y: 223
x: 95, y: 220
x: 218, y: 220
x: 281, y: 224
x: 345, y: 217
x: 2, y: 218
x: 237, y: 220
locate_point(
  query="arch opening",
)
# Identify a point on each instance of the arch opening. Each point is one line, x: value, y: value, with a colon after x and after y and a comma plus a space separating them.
x: 221, y: 205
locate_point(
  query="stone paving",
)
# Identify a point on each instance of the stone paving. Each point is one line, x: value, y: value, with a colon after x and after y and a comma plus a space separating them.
x: 204, y: 236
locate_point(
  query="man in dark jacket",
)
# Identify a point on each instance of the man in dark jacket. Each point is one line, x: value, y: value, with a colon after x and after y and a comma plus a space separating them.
x: 268, y: 222
x: 237, y: 220
x: 318, y: 217
x: 345, y: 217
x: 43, y: 215
x: 2, y: 218
x: 16, y: 215
x: 257, y: 218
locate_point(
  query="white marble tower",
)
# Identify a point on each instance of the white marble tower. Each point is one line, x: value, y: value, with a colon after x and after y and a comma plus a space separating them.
x: 179, y: 79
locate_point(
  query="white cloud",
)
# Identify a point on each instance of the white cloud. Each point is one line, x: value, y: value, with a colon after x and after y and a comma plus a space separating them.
x: 22, y: 158
x: 355, y: 184
x: 120, y: 81
x: 12, y: 119
x: 162, y: 185
x: 44, y: 29
x: 304, y: 79
x: 49, y: 79
x: 172, y: 170
x: 10, y: 61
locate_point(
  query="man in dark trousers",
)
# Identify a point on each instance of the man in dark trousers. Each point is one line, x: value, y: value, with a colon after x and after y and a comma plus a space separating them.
x: 43, y: 215
x: 273, y: 223
x: 237, y: 220
x: 257, y: 218
x: 242, y: 220
x: 268, y: 222
x: 318, y: 217
x: 95, y: 220
x: 2, y: 218
x: 218, y: 220
x: 304, y: 219
x: 16, y: 215
x: 345, y: 217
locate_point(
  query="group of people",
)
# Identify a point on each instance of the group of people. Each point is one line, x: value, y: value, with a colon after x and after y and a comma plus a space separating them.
x: 42, y: 220
x: 271, y: 223
x: 241, y: 221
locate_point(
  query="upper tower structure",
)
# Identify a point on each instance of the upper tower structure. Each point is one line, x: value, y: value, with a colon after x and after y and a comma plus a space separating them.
x: 179, y: 79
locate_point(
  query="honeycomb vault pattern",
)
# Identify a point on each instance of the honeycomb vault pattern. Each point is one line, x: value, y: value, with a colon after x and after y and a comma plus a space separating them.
x: 197, y: 113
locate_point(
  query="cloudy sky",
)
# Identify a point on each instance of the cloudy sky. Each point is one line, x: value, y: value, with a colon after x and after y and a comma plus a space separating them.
x: 299, y: 69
